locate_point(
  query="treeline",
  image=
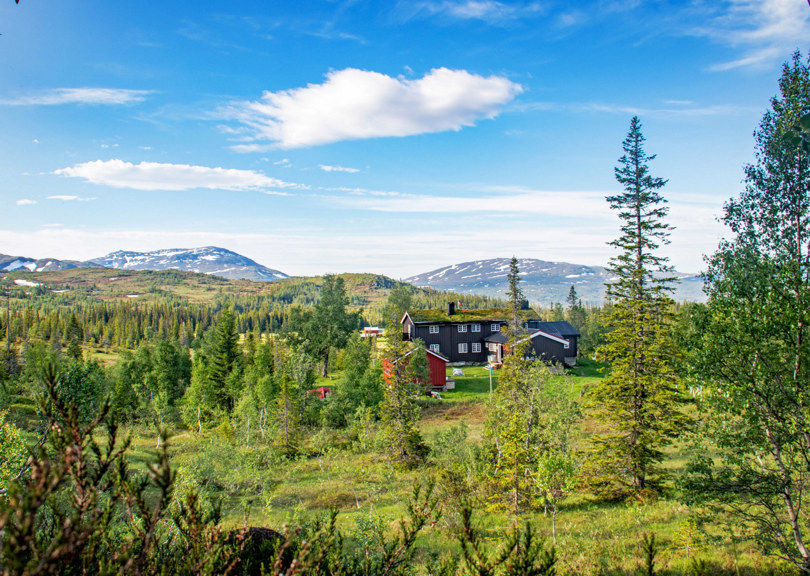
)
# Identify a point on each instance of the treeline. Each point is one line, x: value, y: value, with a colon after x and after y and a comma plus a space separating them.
x: 43, y: 314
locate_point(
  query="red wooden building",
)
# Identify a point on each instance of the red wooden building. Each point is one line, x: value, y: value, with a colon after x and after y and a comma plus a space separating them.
x: 436, y: 363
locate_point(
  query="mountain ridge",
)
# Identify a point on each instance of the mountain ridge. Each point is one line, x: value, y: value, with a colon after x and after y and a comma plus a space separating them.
x: 211, y: 260
x: 542, y: 281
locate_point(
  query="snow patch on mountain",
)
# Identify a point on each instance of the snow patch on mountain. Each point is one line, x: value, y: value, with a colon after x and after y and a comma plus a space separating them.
x: 205, y: 260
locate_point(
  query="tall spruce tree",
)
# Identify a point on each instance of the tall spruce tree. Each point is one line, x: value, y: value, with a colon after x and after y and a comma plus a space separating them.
x: 399, y: 411
x: 516, y: 300
x: 753, y: 354
x: 637, y: 402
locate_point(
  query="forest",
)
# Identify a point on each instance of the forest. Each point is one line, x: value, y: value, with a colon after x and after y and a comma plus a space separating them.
x: 170, y: 422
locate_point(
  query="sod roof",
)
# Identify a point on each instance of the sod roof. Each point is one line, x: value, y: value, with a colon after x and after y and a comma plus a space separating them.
x: 485, y: 315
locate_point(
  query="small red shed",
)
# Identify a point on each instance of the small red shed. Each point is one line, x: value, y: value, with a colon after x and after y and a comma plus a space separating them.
x: 437, y: 365
x: 321, y: 392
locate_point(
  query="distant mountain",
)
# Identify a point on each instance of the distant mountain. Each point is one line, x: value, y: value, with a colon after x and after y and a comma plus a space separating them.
x: 11, y: 263
x: 542, y: 282
x: 207, y: 260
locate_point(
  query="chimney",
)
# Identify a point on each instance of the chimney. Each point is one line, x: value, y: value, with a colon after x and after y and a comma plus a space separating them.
x: 451, y: 308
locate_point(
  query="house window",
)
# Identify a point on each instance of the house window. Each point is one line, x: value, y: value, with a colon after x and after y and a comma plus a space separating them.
x: 462, y: 328
x: 476, y: 347
x: 495, y: 327
x: 476, y: 327
x: 434, y: 348
x: 433, y: 330
x: 565, y: 345
x: 526, y: 325
x: 462, y: 348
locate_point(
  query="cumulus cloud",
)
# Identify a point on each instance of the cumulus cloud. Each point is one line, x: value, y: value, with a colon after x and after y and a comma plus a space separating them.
x: 356, y: 104
x: 172, y: 177
x: 67, y: 198
x: 93, y: 96
x: 25, y: 202
x: 327, y: 168
x: 763, y: 30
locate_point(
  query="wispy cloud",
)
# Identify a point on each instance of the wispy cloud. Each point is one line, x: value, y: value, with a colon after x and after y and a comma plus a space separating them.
x: 89, y: 96
x: 489, y: 11
x: 67, y: 198
x: 357, y: 104
x: 516, y: 200
x: 672, y: 109
x: 762, y: 30
x: 171, y: 177
x: 25, y: 202
x: 327, y: 168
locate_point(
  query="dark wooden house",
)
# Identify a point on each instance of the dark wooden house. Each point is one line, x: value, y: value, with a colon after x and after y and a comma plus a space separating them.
x: 475, y: 336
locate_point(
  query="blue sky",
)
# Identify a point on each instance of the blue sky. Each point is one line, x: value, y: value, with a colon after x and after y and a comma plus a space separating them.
x: 391, y: 137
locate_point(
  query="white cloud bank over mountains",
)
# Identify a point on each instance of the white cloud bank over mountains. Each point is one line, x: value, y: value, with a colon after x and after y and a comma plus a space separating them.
x: 357, y: 104
x: 171, y: 177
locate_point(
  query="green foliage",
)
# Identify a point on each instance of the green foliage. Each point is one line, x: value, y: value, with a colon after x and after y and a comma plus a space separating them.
x: 638, y: 401
x: 13, y: 452
x: 80, y: 510
x: 754, y: 353
x: 399, y: 410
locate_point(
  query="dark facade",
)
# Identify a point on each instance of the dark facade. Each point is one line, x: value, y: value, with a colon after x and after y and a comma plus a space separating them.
x: 473, y: 336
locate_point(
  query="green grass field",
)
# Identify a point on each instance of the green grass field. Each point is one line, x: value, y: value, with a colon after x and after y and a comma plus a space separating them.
x: 346, y: 470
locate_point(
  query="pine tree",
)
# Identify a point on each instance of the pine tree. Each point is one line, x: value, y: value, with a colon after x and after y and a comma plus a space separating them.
x: 516, y: 300
x: 225, y: 355
x: 637, y: 401
x: 399, y: 411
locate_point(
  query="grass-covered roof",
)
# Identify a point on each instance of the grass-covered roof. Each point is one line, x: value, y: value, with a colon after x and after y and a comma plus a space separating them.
x: 462, y: 315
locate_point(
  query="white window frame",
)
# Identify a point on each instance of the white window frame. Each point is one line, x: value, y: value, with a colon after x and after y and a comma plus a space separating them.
x: 495, y: 327
x: 565, y: 345
x: 476, y: 347
x: 433, y: 329
x: 434, y: 348
x: 462, y: 327
x: 462, y: 347
x: 475, y: 328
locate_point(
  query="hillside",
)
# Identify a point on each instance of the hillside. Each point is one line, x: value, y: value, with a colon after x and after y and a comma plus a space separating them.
x: 542, y: 281
x: 11, y: 263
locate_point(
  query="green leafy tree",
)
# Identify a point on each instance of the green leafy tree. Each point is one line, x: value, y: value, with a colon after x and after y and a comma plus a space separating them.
x: 754, y: 353
x: 13, y: 453
x: 330, y: 324
x: 637, y: 402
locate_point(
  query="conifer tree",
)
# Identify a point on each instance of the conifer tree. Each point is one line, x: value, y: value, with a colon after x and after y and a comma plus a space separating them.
x: 516, y: 299
x: 637, y: 402
x: 399, y: 411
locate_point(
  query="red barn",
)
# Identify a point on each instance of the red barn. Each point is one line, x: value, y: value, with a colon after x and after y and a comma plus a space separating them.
x: 321, y: 392
x: 436, y: 363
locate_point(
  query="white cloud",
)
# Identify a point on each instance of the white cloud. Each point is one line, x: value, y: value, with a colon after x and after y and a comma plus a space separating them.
x: 676, y: 109
x: 172, y: 177
x: 761, y: 31
x: 501, y: 200
x: 25, y: 202
x: 66, y: 198
x: 356, y: 104
x: 100, y: 96
x: 489, y: 11
x: 327, y: 168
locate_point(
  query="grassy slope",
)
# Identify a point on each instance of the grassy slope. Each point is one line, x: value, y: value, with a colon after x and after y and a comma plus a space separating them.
x: 364, y: 484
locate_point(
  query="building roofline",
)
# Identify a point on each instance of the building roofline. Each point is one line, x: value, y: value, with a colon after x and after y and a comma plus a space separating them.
x: 545, y: 335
